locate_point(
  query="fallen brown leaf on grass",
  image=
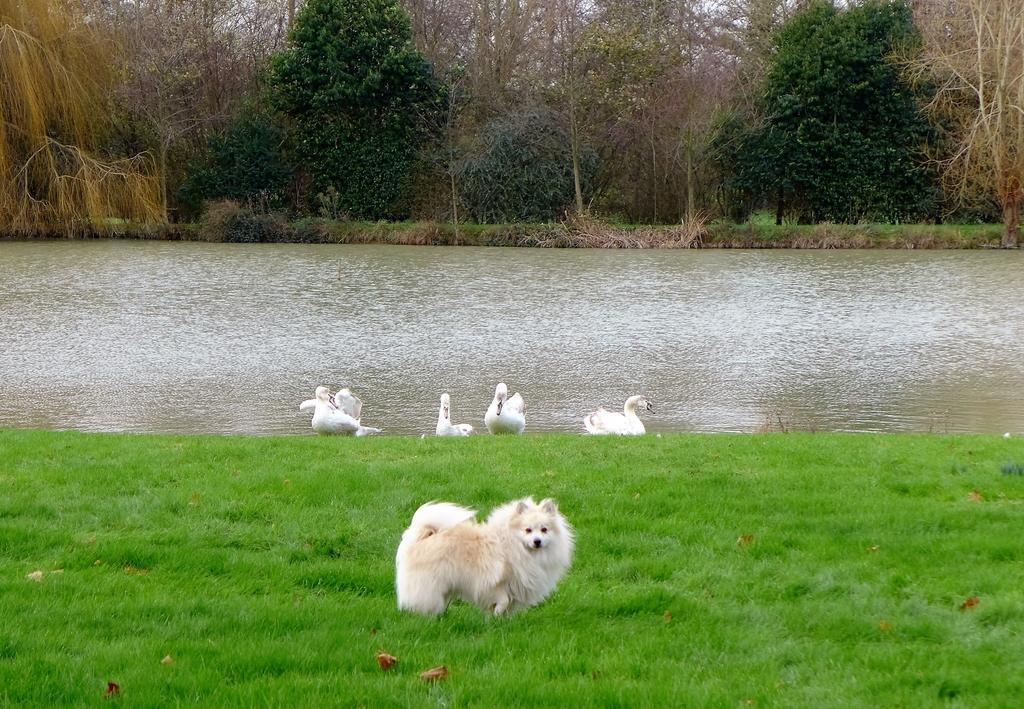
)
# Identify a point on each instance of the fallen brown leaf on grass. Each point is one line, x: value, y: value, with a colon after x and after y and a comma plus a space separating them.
x: 385, y: 660
x: 744, y: 539
x: 167, y: 660
x: 975, y: 496
x: 668, y: 616
x: 434, y: 674
x: 113, y: 688
x: 885, y: 626
x: 36, y: 576
x: 970, y: 603
x: 873, y: 547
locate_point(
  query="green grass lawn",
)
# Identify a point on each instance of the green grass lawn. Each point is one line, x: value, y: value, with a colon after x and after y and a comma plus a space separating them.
x: 711, y: 570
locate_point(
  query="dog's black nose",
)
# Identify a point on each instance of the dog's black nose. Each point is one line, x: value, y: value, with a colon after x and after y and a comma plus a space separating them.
x: 536, y: 543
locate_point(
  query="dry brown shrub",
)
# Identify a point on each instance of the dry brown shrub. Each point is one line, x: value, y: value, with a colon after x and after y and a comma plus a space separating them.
x: 423, y: 234
x: 918, y: 240
x: 691, y: 233
x: 217, y: 216
x: 827, y: 236
x: 229, y: 222
x: 582, y: 231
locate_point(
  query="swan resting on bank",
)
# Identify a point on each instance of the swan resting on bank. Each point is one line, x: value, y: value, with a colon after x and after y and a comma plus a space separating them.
x: 337, y: 415
x: 344, y: 400
x: 604, y: 422
x: 506, y: 414
x: 444, y: 420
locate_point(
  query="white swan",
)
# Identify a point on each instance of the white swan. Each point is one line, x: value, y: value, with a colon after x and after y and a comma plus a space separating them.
x: 506, y: 414
x: 627, y: 423
x: 346, y: 401
x: 444, y: 420
x: 329, y: 418
x: 343, y: 400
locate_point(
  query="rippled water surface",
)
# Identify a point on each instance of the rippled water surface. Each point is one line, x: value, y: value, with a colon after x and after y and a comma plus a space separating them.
x: 230, y: 338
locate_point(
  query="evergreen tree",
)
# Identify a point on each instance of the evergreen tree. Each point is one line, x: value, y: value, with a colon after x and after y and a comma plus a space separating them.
x: 359, y: 96
x: 842, y: 135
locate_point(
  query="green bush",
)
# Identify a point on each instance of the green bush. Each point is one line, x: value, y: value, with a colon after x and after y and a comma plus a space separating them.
x: 245, y: 163
x: 312, y: 231
x: 229, y: 222
x: 522, y: 171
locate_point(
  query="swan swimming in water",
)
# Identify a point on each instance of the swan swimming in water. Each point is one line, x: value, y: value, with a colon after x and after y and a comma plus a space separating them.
x: 444, y: 420
x: 339, y: 415
x: 506, y: 414
x: 603, y: 422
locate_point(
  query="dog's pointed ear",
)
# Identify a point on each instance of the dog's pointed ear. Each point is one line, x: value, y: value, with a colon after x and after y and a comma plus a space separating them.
x: 549, y: 506
x: 521, y: 507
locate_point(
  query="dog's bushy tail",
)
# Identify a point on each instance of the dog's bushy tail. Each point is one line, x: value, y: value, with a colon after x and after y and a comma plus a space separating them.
x: 432, y: 517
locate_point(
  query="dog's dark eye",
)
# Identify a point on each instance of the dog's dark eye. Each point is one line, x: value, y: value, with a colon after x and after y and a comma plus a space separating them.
x: 543, y: 530
x: 528, y: 530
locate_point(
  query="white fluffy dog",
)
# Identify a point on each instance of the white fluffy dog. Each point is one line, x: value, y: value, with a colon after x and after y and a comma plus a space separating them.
x: 511, y: 561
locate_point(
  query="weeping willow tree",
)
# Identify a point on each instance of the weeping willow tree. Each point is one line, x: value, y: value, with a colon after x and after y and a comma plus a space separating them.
x: 53, y: 71
x: 974, y: 54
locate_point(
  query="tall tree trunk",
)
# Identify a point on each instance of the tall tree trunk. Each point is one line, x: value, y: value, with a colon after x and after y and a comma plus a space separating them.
x: 778, y: 209
x: 455, y: 203
x: 450, y: 124
x: 291, y: 12
x: 575, y: 144
x: 654, y: 175
x: 1011, y: 223
x: 163, y: 178
x: 690, y: 187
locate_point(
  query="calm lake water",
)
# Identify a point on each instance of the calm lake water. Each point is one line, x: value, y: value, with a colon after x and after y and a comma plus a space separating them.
x: 144, y: 336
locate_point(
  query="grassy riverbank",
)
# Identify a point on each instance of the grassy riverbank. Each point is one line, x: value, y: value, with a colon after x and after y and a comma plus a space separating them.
x: 590, y: 234
x: 712, y: 570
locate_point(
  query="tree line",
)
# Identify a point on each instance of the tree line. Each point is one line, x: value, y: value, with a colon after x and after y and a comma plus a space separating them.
x: 648, y: 111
